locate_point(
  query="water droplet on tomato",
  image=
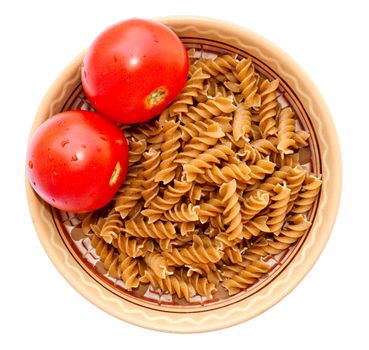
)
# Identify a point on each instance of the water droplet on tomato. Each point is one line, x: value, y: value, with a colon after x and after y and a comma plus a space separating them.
x: 74, y: 158
x: 83, y: 146
x: 50, y: 157
x: 60, y: 122
x: 98, y: 149
x: 104, y: 138
x: 119, y: 142
x: 30, y: 164
x: 115, y: 58
x: 53, y: 199
x: 64, y: 142
x: 34, y: 183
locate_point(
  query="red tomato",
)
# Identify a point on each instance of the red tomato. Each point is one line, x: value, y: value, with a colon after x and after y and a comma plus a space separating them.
x: 77, y: 160
x: 134, y: 69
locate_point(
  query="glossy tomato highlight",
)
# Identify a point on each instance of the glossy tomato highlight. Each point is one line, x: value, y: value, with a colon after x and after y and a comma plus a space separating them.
x: 77, y: 160
x: 134, y: 69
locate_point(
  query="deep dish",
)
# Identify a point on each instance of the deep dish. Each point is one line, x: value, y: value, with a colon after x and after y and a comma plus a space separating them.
x: 75, y: 258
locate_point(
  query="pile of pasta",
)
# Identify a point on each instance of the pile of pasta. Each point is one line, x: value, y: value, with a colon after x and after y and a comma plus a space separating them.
x: 214, y: 187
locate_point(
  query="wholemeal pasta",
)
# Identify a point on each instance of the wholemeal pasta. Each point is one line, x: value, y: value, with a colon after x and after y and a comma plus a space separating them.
x: 215, y: 187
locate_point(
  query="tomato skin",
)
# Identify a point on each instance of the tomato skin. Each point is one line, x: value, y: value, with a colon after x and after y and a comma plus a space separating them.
x: 129, y: 61
x: 71, y: 158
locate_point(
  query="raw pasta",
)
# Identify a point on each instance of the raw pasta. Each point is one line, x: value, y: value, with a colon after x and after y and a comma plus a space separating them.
x: 214, y: 187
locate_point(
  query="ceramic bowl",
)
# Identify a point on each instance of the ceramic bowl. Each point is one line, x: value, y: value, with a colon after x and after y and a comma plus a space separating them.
x: 74, y: 257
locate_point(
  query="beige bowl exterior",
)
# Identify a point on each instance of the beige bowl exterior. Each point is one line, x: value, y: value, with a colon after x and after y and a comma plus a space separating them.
x: 230, y: 314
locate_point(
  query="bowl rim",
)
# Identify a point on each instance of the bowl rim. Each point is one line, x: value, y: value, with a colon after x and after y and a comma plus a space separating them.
x: 294, y: 272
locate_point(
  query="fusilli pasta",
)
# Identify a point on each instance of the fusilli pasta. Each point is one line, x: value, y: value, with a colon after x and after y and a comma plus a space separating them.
x: 214, y: 186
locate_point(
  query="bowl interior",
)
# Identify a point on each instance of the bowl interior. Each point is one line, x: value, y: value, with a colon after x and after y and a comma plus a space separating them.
x: 68, y: 225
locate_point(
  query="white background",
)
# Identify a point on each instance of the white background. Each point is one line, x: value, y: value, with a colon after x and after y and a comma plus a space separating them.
x: 329, y: 309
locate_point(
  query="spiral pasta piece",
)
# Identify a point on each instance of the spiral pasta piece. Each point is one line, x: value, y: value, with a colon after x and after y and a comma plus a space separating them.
x: 173, y: 284
x: 295, y: 179
x: 239, y: 172
x: 172, y: 195
x: 128, y: 196
x: 307, y: 196
x: 128, y: 271
x: 279, y: 176
x: 198, y: 144
x: 133, y: 247
x: 151, y: 167
x: 246, y: 277
x: 117, y: 266
x: 193, y: 87
x: 296, y: 227
x: 286, y: 131
x: 202, y: 285
x: 168, y: 152
x: 248, y: 83
x: 205, y: 160
x: 136, y: 149
x: 278, y: 208
x: 206, y: 138
x: 107, y: 255
x: 232, y: 214
x: 112, y: 227
x: 268, y: 107
x: 253, y: 204
x: 241, y: 122
x: 201, y: 251
x: 211, y: 108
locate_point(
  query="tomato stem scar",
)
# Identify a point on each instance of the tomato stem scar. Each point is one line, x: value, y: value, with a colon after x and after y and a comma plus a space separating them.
x: 115, y: 174
x: 156, y: 97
